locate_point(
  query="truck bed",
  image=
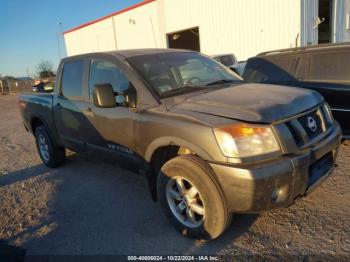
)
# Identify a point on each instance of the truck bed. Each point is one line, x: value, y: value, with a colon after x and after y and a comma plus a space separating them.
x: 36, y: 105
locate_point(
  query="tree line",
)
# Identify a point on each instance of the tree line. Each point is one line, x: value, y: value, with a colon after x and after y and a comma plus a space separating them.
x: 44, y: 70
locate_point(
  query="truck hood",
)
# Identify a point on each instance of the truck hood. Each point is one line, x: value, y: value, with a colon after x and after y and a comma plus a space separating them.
x: 258, y: 103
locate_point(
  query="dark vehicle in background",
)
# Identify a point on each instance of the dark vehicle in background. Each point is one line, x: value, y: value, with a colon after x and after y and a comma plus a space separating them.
x: 324, y: 68
x: 228, y: 60
x: 239, y: 69
x: 208, y: 143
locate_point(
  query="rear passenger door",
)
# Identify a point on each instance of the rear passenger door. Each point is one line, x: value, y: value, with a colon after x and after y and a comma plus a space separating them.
x: 70, y: 104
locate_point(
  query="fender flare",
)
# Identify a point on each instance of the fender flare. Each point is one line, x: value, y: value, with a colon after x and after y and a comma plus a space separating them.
x: 168, y: 141
x: 46, y: 124
x: 40, y: 117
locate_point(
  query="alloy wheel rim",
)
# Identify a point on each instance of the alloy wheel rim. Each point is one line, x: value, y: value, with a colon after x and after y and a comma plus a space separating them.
x: 43, y: 147
x: 185, y: 202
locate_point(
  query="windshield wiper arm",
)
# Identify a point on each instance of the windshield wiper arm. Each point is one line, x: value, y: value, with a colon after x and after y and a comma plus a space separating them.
x: 181, y: 89
x: 221, y: 81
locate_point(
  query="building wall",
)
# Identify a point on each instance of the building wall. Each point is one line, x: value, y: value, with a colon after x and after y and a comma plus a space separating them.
x: 15, y: 85
x: 93, y: 38
x: 242, y: 27
x: 138, y: 28
x: 19, y: 85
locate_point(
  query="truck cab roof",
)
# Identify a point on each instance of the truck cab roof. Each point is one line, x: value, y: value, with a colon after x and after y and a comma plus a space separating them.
x: 131, y: 53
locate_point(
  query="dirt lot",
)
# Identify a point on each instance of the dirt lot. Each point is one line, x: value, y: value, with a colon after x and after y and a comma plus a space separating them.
x: 92, y: 207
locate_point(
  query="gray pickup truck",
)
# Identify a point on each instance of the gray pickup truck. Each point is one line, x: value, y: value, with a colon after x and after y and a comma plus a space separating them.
x: 209, y: 144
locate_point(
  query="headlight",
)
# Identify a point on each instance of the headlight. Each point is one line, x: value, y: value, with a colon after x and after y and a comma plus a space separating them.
x: 246, y: 140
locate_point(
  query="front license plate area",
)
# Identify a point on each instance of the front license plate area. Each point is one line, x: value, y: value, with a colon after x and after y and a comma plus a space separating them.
x: 320, y: 168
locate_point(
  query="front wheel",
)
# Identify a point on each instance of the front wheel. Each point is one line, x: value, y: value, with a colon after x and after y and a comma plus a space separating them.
x: 191, y: 199
x: 51, y: 154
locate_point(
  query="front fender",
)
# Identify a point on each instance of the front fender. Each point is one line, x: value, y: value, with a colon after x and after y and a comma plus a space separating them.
x: 168, y: 140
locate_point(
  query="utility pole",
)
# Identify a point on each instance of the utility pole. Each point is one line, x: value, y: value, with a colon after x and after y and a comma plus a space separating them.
x: 60, y: 26
x: 58, y: 41
x: 115, y: 34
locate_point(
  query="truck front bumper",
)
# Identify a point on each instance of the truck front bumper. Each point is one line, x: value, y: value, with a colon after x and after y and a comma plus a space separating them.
x: 278, y: 183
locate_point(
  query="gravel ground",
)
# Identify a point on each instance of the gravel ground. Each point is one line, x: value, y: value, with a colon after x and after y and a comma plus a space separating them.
x: 91, y: 207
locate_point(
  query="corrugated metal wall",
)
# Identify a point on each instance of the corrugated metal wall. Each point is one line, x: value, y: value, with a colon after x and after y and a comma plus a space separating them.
x: 93, y: 38
x: 138, y: 28
x: 242, y: 27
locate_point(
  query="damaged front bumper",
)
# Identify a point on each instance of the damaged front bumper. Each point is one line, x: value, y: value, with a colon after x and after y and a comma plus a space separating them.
x: 277, y: 183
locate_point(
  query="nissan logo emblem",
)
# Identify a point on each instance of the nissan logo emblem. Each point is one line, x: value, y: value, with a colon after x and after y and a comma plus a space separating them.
x: 312, y: 124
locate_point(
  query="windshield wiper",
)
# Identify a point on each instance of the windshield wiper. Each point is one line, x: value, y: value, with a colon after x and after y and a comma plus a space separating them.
x: 221, y: 81
x: 182, y: 89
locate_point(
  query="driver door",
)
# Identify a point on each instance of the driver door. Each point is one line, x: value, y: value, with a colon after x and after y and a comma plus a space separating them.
x: 115, y: 126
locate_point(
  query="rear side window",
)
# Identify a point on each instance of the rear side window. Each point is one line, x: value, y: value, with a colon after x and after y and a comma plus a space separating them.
x: 277, y: 69
x: 254, y: 75
x: 332, y: 66
x: 72, y: 79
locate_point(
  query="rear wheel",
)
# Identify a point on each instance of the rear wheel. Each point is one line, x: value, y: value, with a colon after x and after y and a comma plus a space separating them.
x: 51, y: 154
x: 191, y: 199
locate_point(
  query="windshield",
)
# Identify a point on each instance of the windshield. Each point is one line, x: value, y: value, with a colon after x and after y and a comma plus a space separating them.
x: 173, y: 73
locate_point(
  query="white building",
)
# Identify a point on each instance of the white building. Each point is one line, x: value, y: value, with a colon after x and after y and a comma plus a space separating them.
x: 242, y: 27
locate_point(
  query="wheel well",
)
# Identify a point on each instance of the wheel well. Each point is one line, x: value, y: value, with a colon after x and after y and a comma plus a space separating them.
x: 159, y: 157
x: 36, y: 122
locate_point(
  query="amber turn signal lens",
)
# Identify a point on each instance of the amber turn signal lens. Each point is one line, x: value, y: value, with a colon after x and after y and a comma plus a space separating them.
x: 243, y: 140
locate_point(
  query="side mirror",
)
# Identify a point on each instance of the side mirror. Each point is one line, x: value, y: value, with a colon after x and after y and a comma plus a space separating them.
x: 104, y: 96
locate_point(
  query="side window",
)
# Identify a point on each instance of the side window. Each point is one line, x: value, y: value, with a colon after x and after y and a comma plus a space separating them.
x: 254, y: 76
x: 330, y: 66
x: 105, y: 72
x: 255, y: 71
x: 72, y: 79
x: 277, y: 69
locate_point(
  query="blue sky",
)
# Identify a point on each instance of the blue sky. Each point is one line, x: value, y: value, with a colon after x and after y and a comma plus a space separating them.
x: 28, y: 29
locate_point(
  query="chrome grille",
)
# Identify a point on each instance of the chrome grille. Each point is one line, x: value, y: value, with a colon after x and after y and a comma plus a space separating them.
x: 304, y: 129
x: 312, y: 124
x: 295, y: 134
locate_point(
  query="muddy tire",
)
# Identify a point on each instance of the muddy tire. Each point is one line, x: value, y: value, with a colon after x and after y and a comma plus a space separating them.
x: 51, y: 154
x: 191, y: 199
